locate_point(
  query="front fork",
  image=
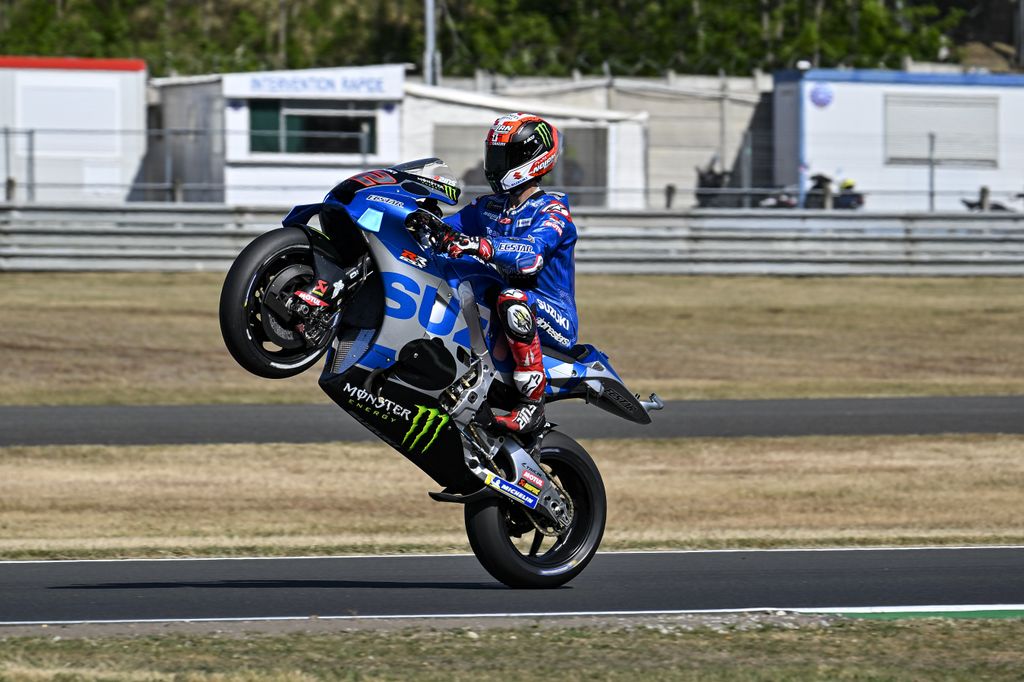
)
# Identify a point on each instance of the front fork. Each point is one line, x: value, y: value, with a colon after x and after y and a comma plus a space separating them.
x: 310, y: 311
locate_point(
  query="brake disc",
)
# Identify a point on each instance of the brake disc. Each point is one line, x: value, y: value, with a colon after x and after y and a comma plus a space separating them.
x: 275, y: 330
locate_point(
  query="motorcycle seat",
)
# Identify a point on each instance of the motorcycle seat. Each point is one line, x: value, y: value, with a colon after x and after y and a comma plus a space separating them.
x: 574, y: 354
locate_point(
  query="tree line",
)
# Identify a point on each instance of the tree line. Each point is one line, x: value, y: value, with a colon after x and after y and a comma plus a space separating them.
x: 514, y: 37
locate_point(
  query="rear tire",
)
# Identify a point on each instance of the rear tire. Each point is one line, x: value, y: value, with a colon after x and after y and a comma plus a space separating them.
x: 257, y: 338
x: 495, y: 525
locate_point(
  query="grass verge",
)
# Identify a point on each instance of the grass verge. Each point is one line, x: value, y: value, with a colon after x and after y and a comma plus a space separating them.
x: 926, y: 649
x: 88, y: 338
x: 97, y: 501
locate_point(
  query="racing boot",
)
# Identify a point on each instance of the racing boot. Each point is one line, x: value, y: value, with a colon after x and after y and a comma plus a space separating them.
x: 520, y: 326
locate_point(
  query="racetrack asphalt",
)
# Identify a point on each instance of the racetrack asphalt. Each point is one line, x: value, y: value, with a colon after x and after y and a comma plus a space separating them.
x: 443, y: 586
x: 197, y: 424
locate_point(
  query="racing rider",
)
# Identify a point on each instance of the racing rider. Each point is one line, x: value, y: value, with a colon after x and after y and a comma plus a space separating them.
x: 529, y: 236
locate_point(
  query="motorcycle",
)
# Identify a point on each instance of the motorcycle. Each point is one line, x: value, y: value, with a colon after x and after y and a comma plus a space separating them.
x: 413, y: 355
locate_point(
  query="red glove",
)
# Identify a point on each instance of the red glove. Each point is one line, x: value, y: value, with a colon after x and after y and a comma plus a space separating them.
x: 458, y: 245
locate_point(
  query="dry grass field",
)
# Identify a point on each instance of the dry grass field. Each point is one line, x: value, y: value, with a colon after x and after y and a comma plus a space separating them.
x: 933, y: 649
x: 78, y: 338
x: 97, y: 501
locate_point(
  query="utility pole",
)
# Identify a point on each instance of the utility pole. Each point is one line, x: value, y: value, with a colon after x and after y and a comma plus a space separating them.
x: 429, y: 73
x: 1020, y: 32
x: 282, y: 34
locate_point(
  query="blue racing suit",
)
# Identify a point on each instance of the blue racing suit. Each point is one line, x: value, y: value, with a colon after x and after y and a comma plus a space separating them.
x: 533, y: 248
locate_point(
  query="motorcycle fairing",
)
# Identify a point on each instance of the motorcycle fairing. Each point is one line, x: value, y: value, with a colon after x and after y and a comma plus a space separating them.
x: 406, y: 419
x: 585, y: 372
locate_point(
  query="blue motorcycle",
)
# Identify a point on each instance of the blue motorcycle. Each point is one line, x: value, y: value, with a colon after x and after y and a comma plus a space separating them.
x: 412, y: 354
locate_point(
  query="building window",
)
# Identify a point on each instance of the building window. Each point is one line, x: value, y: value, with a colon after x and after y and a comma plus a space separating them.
x: 966, y: 130
x: 312, y: 127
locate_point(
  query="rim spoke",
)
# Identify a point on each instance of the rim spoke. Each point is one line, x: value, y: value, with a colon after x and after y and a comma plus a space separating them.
x: 538, y: 538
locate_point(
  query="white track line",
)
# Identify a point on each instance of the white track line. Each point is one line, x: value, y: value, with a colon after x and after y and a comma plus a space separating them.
x: 837, y: 610
x: 466, y: 554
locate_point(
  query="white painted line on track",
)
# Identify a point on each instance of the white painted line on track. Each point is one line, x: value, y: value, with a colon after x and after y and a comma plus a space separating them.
x: 880, y: 548
x: 838, y: 610
x: 934, y: 608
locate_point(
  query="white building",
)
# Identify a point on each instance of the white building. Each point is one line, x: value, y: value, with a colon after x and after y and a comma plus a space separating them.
x: 71, y: 130
x: 876, y: 128
x: 289, y: 136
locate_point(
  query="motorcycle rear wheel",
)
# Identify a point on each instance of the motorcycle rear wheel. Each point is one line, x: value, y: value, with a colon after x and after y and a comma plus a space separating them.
x: 256, y: 337
x: 514, y: 552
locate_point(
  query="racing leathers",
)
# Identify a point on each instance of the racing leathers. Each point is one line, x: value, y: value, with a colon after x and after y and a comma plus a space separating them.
x: 532, y: 245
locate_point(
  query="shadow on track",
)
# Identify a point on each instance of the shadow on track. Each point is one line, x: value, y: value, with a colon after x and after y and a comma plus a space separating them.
x: 285, y: 585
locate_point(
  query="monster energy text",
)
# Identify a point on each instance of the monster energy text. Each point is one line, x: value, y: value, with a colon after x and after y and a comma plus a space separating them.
x: 426, y: 427
x: 387, y: 410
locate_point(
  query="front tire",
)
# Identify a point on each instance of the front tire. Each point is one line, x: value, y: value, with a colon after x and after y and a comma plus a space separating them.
x: 256, y: 337
x: 500, y: 532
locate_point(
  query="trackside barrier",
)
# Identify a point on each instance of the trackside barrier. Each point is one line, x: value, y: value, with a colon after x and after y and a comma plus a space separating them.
x: 182, y: 237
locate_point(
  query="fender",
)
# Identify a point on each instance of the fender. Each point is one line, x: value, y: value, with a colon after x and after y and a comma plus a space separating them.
x: 326, y: 255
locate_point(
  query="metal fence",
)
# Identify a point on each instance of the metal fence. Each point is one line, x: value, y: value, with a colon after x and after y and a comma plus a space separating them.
x: 203, y: 237
x: 188, y: 164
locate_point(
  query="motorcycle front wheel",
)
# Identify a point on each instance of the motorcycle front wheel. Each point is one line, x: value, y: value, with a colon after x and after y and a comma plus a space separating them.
x: 506, y: 541
x: 276, y: 263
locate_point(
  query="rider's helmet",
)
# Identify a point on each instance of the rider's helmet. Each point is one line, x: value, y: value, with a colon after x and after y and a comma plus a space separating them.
x: 520, y: 148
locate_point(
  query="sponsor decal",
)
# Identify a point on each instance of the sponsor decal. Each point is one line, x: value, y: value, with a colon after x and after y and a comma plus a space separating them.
x: 533, y: 478
x: 406, y: 299
x: 388, y: 411
x: 524, y: 222
x: 386, y: 200
x: 505, y: 221
x: 511, y: 490
x: 529, y: 486
x: 527, y: 382
x: 495, y: 206
x: 311, y: 299
x: 552, y: 224
x: 426, y: 427
x: 555, y: 207
x: 562, y: 339
x: 444, y: 188
x: 545, y: 134
x: 553, y: 313
x: 621, y: 400
x: 492, y: 216
x: 413, y: 259
x: 542, y: 163
x: 524, y: 415
x: 515, y: 247
x: 321, y: 288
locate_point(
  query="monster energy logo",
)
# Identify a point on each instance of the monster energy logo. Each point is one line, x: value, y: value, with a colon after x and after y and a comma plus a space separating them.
x: 450, y: 191
x: 428, y: 421
x: 545, y: 134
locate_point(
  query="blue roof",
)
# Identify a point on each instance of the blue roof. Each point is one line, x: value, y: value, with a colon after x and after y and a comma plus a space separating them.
x: 901, y: 77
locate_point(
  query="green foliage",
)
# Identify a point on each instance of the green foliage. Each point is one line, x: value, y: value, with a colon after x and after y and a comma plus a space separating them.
x: 518, y: 37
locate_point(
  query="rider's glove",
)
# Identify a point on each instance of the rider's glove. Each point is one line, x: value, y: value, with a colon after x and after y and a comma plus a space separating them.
x: 458, y: 245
